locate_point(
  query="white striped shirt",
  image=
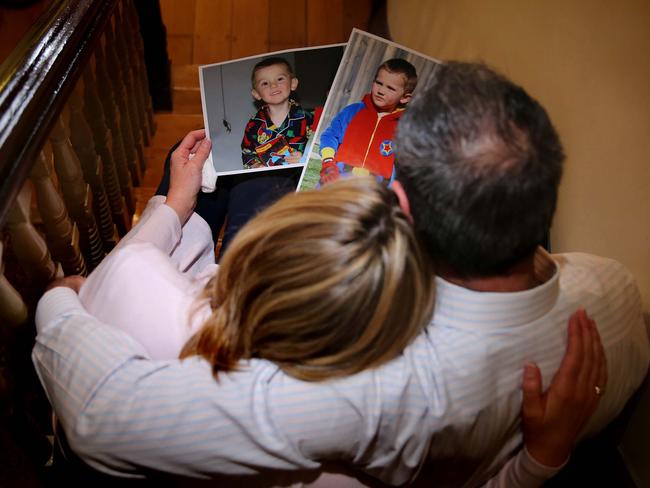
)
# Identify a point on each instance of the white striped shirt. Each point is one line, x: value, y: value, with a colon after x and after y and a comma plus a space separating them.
x: 452, y: 399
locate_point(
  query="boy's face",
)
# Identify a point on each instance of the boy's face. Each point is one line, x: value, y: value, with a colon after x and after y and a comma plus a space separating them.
x: 273, y: 84
x: 388, y: 91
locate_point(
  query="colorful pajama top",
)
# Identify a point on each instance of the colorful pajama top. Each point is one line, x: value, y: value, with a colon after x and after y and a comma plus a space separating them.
x: 265, y: 144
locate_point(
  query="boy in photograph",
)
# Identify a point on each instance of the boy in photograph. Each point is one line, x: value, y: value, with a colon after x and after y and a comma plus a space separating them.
x: 278, y: 132
x: 359, y: 141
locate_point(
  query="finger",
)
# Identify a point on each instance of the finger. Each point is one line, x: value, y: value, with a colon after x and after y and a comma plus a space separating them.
x: 532, y: 403
x: 589, y: 367
x: 190, y: 140
x: 605, y: 368
x: 584, y: 382
x: 569, y: 370
x: 196, y: 146
x: 601, y: 379
x: 595, y: 353
x: 202, y: 152
x: 588, y: 398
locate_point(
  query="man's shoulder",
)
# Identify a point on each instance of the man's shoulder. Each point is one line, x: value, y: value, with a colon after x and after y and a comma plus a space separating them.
x: 586, y: 260
x: 583, y: 270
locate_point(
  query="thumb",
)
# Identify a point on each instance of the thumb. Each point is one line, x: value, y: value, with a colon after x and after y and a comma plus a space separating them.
x: 532, y: 405
x: 202, y: 152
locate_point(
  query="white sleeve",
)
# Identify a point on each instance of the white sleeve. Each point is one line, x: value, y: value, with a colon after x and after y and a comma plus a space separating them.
x: 126, y: 415
x: 190, y: 247
x: 522, y: 471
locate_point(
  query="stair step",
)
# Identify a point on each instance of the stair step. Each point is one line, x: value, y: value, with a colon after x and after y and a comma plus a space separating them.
x: 185, y: 76
x: 187, y: 101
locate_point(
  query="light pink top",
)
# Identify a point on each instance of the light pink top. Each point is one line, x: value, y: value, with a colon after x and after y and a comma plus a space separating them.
x: 147, y: 286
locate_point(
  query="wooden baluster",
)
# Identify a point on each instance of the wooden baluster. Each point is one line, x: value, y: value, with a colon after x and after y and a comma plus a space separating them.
x: 103, y: 138
x: 114, y: 65
x: 13, y: 311
x: 83, y: 143
x: 60, y: 231
x: 114, y: 122
x: 132, y: 16
x: 76, y: 193
x: 130, y: 92
x: 127, y: 48
x: 27, y: 244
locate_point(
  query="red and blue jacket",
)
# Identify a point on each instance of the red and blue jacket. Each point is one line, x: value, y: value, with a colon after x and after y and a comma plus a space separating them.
x: 361, y: 137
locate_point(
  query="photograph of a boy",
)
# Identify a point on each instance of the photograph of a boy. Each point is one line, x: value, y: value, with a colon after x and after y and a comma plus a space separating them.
x: 277, y: 134
x: 359, y: 141
x: 372, y: 89
x: 238, y: 121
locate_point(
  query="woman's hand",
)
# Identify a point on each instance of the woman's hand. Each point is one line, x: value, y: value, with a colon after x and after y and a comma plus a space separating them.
x: 552, y: 420
x: 186, y: 169
x: 73, y: 282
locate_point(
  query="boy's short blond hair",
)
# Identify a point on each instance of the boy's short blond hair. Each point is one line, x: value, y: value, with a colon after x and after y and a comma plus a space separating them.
x: 402, y: 67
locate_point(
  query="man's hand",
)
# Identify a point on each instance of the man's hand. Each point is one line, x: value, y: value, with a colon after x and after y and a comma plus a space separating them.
x: 293, y: 158
x: 73, y: 282
x: 552, y: 420
x: 186, y: 169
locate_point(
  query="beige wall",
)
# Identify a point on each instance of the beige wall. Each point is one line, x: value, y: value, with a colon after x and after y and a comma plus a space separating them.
x: 588, y: 62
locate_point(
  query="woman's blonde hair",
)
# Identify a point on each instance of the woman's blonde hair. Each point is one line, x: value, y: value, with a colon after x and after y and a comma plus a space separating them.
x: 324, y: 283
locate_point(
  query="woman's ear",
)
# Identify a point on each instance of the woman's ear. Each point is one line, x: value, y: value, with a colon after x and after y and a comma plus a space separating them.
x: 402, y: 199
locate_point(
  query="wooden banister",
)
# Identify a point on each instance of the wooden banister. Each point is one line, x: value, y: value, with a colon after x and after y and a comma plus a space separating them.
x: 36, y: 80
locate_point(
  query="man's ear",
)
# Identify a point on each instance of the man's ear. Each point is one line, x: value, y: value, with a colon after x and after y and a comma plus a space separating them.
x: 256, y: 95
x: 405, y: 99
x: 402, y: 199
x: 294, y: 84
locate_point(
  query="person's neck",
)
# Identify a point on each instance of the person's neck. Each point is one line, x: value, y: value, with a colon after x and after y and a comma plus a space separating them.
x: 278, y: 112
x: 519, y: 277
x: 385, y: 111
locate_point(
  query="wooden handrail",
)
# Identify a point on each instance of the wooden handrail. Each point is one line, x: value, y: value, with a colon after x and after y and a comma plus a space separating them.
x: 35, y: 82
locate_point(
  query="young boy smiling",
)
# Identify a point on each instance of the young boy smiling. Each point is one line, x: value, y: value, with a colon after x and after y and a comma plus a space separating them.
x: 359, y: 141
x: 278, y: 132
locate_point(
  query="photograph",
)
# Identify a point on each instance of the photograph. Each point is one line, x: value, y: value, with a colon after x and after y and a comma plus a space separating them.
x: 372, y: 88
x: 260, y: 112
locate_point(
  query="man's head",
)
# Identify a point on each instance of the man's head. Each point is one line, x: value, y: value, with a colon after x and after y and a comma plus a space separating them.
x: 273, y: 81
x: 480, y: 163
x: 394, y: 83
